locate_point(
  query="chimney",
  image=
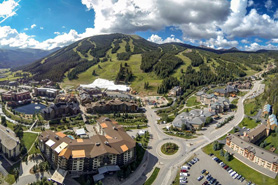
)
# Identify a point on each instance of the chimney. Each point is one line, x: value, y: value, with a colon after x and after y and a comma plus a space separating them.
x: 57, y: 137
x: 97, y: 144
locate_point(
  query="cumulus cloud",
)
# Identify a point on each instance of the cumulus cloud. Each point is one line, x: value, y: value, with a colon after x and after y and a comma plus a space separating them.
x: 255, y: 47
x: 57, y: 33
x: 244, y: 41
x: 220, y: 43
x: 33, y: 26
x: 8, y: 9
x: 216, y: 23
x: 250, y: 3
x: 157, y: 39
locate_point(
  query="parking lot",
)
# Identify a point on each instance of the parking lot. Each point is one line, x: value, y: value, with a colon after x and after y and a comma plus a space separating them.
x: 214, y: 169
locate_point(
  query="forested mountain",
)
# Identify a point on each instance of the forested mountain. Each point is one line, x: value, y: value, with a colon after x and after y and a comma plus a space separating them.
x: 19, y: 57
x: 165, y: 64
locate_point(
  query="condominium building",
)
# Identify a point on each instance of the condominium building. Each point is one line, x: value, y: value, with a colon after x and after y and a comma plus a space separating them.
x: 9, y: 143
x: 16, y: 96
x: 253, y: 153
x: 110, y: 146
x: 48, y: 92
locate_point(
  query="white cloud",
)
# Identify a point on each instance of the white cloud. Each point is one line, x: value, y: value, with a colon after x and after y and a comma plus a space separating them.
x: 268, y: 4
x: 26, y: 29
x: 274, y: 40
x: 257, y: 40
x: 57, y: 33
x: 33, y: 26
x: 255, y: 47
x: 8, y: 9
x: 41, y: 28
x: 244, y: 41
x: 275, y: 15
x: 157, y: 39
x: 250, y: 3
x: 219, y: 43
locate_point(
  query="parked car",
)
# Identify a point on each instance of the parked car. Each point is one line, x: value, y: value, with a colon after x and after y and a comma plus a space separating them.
x: 235, y: 176
x: 183, y: 170
x: 188, y: 164
x: 184, y: 174
x: 183, y: 178
x: 205, y: 183
x: 200, y: 177
x: 203, y: 171
x: 206, y: 172
x: 185, y: 167
x: 242, y: 179
x: 183, y: 181
x: 211, y: 154
x: 238, y: 177
x: 228, y: 168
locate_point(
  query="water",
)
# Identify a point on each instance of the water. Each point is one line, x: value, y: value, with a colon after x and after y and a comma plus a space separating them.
x: 30, y: 108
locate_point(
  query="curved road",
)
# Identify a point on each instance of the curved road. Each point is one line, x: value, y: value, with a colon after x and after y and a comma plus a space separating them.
x: 169, y: 164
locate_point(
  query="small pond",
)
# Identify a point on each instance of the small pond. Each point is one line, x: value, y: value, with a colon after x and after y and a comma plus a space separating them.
x: 30, y: 108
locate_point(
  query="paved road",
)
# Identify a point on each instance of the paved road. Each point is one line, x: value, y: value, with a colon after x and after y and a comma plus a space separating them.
x: 170, y: 164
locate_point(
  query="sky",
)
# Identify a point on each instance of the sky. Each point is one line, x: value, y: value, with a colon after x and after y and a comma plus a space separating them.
x: 249, y: 25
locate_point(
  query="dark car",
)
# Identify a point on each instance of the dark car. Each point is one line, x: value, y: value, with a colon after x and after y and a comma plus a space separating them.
x: 203, y: 171
x: 211, y: 154
x: 242, y: 179
x: 189, y: 164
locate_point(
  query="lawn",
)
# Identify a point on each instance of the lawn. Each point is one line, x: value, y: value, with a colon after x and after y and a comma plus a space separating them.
x: 169, y: 148
x: 28, y: 139
x: 242, y: 169
x: 272, y: 141
x: 192, y: 101
x: 152, y: 177
x: 252, y: 106
x: 233, y: 105
x: 248, y: 123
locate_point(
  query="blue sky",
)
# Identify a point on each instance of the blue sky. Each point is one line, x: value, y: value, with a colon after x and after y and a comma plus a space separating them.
x: 46, y: 24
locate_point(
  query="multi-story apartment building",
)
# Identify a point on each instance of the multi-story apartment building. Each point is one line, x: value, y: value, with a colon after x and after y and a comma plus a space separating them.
x: 16, y: 96
x: 110, y: 146
x: 48, y: 92
x: 261, y: 157
x: 9, y: 143
x: 115, y: 105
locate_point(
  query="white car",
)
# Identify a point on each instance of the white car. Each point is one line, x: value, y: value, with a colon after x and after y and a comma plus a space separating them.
x: 185, y: 167
x: 235, y: 176
x: 183, y: 181
x: 183, y: 178
x: 183, y: 174
x: 233, y: 173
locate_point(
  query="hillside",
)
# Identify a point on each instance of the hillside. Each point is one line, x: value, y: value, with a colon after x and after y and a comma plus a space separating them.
x: 18, y: 57
x: 189, y: 66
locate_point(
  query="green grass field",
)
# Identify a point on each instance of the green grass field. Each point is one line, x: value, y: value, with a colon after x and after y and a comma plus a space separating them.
x: 248, y: 123
x: 29, y: 139
x: 239, y: 167
x: 192, y: 101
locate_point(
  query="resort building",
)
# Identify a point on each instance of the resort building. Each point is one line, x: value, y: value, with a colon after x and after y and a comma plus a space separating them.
x: 175, y: 91
x: 115, y: 105
x: 215, y: 104
x: 195, y: 119
x: 9, y: 143
x: 59, y: 110
x: 272, y: 121
x: 16, y: 96
x: 110, y: 146
x: 259, y: 159
x: 266, y: 110
x: 228, y: 91
x: 47, y: 92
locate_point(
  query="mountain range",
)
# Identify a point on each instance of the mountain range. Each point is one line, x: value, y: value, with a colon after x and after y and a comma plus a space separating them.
x: 103, y: 55
x: 18, y: 57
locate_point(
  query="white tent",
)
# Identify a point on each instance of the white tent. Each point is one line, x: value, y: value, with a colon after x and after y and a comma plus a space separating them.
x: 106, y: 84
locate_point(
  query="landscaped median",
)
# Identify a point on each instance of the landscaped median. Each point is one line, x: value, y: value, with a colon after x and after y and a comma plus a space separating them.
x: 169, y: 148
x: 152, y: 177
x: 242, y: 169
